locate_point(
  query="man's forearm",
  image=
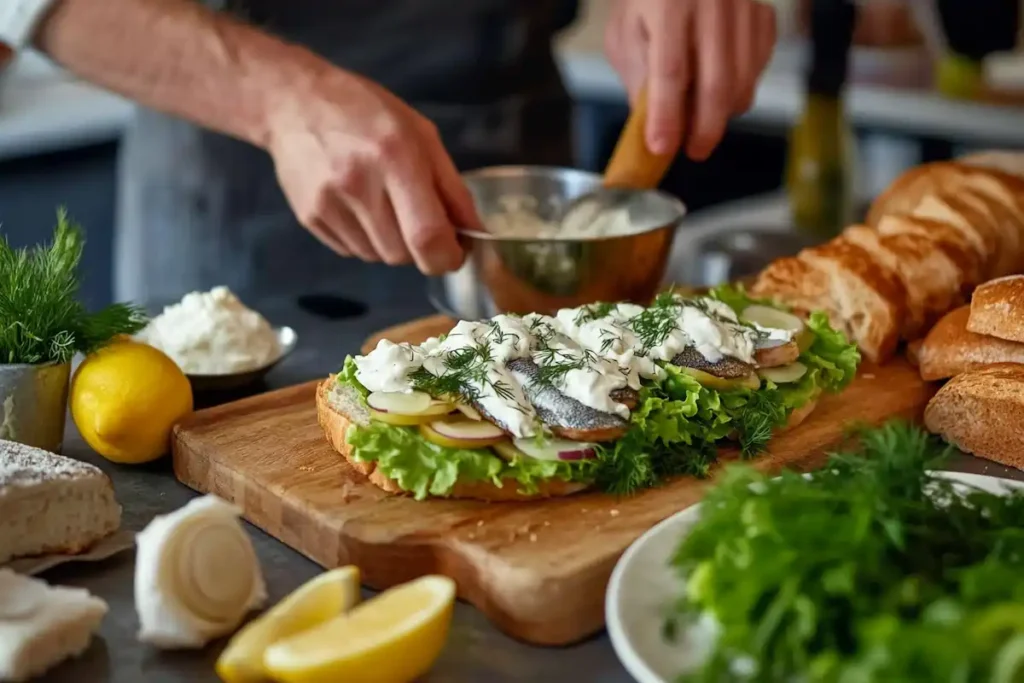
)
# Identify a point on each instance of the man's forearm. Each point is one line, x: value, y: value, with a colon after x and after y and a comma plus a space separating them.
x: 179, y: 57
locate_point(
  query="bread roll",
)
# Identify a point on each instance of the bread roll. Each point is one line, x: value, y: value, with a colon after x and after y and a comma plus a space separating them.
x: 950, y: 348
x: 51, y: 504
x: 997, y: 309
x: 979, y: 412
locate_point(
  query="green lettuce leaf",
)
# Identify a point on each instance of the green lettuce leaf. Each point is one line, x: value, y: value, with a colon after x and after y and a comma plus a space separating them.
x: 735, y: 297
x: 423, y: 468
x: 348, y: 376
x: 831, y: 354
x: 673, y: 430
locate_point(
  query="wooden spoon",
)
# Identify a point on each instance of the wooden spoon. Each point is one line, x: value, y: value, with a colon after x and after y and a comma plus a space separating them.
x: 632, y: 167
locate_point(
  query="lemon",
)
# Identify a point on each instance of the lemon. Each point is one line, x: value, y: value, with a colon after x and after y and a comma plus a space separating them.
x: 319, y: 599
x: 125, y: 398
x: 393, y: 638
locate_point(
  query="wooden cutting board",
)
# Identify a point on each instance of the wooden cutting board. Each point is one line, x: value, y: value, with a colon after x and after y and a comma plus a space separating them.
x: 537, y: 570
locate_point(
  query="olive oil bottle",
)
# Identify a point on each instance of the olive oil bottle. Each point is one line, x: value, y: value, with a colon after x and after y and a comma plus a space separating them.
x: 820, y: 167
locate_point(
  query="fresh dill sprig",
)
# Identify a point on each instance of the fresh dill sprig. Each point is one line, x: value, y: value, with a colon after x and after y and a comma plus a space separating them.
x: 653, y: 325
x: 554, y: 364
x: 41, y: 319
x: 592, y: 312
x: 759, y: 416
x: 465, y: 374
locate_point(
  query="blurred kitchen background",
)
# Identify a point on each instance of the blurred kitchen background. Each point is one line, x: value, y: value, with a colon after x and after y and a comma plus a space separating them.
x: 916, y: 91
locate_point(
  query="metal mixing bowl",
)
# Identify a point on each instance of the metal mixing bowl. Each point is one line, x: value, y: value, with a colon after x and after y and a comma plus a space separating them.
x: 543, y: 274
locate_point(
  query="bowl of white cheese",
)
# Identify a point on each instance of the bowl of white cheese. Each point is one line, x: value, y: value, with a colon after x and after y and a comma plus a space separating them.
x: 532, y: 258
x: 217, y: 341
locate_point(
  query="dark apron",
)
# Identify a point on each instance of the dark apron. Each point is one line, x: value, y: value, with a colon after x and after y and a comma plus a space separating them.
x: 197, y: 209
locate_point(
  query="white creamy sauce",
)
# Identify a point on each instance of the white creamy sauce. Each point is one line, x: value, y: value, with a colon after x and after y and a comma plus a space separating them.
x: 519, y: 216
x: 213, y: 333
x: 586, y: 353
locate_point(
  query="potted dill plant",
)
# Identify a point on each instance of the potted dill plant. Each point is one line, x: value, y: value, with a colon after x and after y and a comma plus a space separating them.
x: 42, y: 326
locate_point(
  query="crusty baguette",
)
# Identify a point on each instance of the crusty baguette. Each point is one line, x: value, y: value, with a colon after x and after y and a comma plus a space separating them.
x: 931, y: 279
x: 1007, y: 161
x: 907, y: 191
x: 946, y: 239
x: 800, y: 285
x: 871, y: 301
x: 979, y: 412
x: 950, y: 348
x: 51, y: 504
x: 976, y: 228
x: 1003, y: 199
x: 332, y: 409
x: 997, y: 309
x: 862, y: 299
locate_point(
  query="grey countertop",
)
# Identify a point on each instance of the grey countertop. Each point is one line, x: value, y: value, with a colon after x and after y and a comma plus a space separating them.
x: 476, y: 651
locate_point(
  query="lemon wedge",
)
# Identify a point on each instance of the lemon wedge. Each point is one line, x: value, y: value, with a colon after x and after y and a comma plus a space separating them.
x: 315, y: 602
x: 393, y: 638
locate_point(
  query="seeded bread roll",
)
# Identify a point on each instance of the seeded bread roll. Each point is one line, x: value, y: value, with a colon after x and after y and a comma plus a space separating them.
x: 979, y: 412
x: 950, y: 348
x: 51, y: 504
x: 997, y: 309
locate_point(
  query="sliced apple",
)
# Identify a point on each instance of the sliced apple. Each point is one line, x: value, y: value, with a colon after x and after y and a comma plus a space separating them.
x: 462, y: 434
x: 469, y: 411
x: 773, y: 319
x: 405, y: 409
x: 556, y: 449
x: 784, y: 374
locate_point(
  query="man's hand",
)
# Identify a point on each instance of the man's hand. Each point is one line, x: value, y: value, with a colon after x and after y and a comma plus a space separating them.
x: 700, y: 59
x: 368, y: 175
x: 363, y: 172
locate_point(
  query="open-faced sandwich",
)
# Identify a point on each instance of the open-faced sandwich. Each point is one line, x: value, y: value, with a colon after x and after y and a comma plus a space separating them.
x: 616, y: 396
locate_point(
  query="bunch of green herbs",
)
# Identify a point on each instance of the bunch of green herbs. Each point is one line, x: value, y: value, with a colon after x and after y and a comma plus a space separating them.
x: 41, y: 318
x: 872, y: 570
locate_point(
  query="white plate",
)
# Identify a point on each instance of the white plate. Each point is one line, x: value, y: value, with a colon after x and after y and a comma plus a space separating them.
x: 643, y: 586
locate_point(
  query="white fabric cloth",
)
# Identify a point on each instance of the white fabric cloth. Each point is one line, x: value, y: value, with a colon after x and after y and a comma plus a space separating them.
x: 19, y: 20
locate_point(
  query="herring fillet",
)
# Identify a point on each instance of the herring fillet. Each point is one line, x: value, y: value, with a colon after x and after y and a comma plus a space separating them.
x: 566, y: 416
x: 726, y: 368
